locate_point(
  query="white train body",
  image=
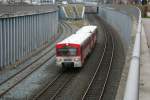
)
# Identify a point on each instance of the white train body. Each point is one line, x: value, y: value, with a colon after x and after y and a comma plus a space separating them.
x: 73, y: 50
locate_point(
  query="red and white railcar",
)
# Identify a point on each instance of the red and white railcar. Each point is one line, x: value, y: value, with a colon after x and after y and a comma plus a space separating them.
x: 73, y: 50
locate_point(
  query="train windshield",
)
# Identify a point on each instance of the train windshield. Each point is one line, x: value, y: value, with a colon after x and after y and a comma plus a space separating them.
x: 67, y: 51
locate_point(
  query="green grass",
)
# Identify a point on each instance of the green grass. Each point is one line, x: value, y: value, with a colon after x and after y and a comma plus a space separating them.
x: 146, y: 17
x: 79, y: 9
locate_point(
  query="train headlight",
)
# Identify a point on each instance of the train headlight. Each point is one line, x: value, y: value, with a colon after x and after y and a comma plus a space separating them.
x: 77, y: 59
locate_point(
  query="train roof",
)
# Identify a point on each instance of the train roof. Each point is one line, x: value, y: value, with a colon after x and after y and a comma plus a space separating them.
x: 79, y: 37
x: 86, y: 29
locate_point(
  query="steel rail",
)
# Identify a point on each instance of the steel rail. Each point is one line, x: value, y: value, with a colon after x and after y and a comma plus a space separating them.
x: 18, y: 77
x: 25, y: 67
x: 96, y: 72
x: 62, y: 87
x: 52, y: 87
x: 70, y: 28
x: 51, y: 83
x: 8, y: 85
x: 29, y: 64
x: 108, y: 70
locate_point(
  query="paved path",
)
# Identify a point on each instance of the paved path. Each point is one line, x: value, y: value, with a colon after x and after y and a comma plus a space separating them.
x: 145, y: 62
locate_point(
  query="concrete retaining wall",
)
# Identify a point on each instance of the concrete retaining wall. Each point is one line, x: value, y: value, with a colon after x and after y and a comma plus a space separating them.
x: 121, y: 18
x: 20, y: 35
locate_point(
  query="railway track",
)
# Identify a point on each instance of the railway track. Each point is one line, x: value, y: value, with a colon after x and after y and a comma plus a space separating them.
x: 53, y: 88
x: 98, y: 82
x: 21, y: 75
x: 18, y: 77
x: 95, y: 89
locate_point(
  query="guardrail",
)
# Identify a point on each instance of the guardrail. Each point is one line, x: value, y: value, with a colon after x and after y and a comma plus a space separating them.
x: 132, y: 86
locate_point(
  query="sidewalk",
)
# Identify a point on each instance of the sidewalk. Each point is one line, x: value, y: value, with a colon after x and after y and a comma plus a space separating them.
x: 145, y: 62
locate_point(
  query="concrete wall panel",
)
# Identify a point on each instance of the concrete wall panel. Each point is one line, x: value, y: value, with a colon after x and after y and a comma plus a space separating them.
x: 20, y: 35
x: 121, y: 18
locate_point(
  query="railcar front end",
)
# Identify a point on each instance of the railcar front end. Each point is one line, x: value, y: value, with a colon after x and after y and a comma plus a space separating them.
x: 68, y: 55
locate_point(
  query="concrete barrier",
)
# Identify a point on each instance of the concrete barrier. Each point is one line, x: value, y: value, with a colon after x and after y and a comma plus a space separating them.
x: 132, y: 86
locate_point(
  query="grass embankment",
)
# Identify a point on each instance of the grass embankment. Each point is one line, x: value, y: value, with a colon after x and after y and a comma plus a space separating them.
x: 69, y: 10
x: 78, y: 23
x: 79, y: 9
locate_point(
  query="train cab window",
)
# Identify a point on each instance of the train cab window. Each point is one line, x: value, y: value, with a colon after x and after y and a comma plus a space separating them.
x: 67, y: 52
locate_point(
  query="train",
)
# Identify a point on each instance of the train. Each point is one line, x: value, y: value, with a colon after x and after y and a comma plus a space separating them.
x: 73, y: 50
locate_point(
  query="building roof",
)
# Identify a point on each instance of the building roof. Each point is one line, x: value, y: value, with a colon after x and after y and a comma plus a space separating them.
x: 14, y: 10
x: 86, y: 29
